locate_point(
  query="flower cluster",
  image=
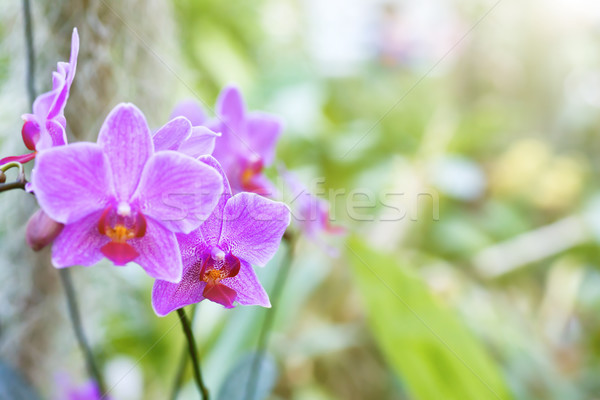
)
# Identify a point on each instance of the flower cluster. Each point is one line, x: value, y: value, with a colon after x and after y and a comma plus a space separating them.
x: 189, y: 202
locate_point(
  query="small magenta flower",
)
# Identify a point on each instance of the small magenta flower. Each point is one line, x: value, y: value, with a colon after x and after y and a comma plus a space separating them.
x: 244, y: 229
x: 45, y: 128
x: 179, y: 135
x: 120, y: 199
x: 247, y: 142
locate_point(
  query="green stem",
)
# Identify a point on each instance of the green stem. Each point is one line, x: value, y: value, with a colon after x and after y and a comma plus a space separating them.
x: 90, y: 363
x: 187, y: 330
x: 183, y: 360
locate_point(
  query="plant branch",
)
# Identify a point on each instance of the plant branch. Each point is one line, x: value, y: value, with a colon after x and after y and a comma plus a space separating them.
x: 187, y: 330
x: 92, y: 368
x: 5, y: 187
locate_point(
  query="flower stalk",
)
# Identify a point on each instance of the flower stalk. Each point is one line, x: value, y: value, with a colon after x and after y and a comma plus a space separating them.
x: 90, y: 363
x: 187, y: 330
x: 18, y: 184
x: 183, y: 361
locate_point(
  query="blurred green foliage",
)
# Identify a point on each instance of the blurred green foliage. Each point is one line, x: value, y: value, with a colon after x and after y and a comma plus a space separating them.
x: 424, y: 341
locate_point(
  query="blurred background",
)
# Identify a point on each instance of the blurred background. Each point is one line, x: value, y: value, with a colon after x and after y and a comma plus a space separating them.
x: 461, y: 136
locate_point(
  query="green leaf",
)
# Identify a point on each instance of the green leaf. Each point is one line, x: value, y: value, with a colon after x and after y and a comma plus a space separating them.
x: 427, y: 345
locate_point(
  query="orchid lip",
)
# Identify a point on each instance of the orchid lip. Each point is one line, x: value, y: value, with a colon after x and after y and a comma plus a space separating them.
x: 214, y: 270
x: 120, y: 227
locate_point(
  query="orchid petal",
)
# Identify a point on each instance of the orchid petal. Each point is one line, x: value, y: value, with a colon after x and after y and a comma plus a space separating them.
x: 159, y: 252
x: 53, y: 136
x: 263, y: 132
x: 230, y: 107
x: 167, y: 296
x: 72, y: 181
x: 211, y: 228
x: 201, y: 142
x: 178, y: 191
x: 253, y: 226
x: 172, y: 134
x: 79, y: 243
x: 127, y: 142
x: 42, y: 104
x: 248, y: 288
x: 67, y: 73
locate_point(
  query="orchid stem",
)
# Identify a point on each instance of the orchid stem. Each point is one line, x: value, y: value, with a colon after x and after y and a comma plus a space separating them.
x: 19, y: 183
x: 5, y: 187
x: 183, y: 362
x: 92, y: 368
x: 30, y: 51
x: 187, y: 330
x: 267, y: 325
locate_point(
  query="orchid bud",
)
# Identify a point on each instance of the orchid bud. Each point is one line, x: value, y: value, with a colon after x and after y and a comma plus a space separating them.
x: 2, y: 177
x: 41, y: 230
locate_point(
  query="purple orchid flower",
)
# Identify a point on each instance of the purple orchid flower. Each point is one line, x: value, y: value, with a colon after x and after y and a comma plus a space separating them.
x: 120, y: 199
x: 243, y: 229
x: 178, y: 134
x: 45, y: 128
x: 309, y: 212
x: 247, y: 142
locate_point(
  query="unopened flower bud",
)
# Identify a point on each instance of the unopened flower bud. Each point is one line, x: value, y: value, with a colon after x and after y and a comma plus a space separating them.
x: 41, y: 230
x: 2, y: 177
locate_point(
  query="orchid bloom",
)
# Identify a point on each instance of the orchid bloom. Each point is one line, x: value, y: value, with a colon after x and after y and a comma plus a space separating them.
x: 309, y: 212
x: 247, y: 142
x: 45, y: 128
x: 243, y: 229
x: 120, y: 199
